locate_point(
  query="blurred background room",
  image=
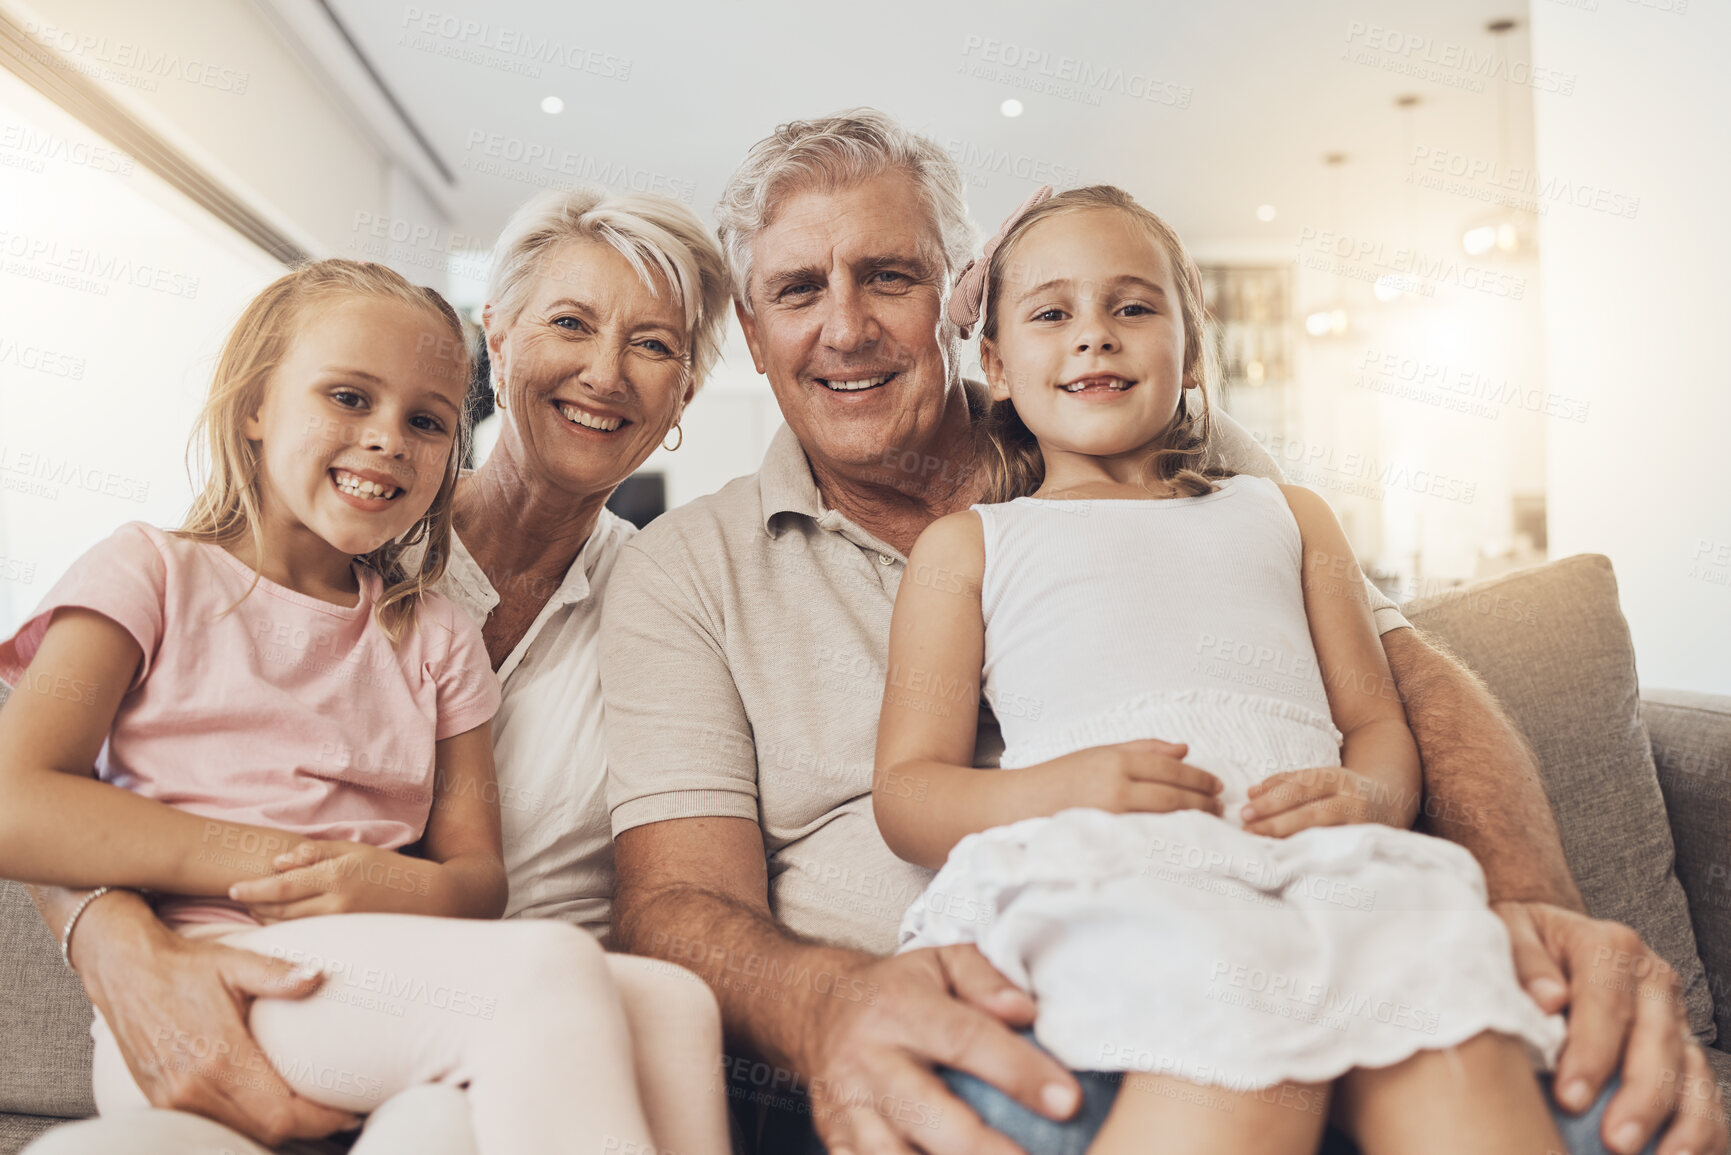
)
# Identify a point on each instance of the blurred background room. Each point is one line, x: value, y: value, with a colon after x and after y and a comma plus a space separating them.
x: 1466, y: 258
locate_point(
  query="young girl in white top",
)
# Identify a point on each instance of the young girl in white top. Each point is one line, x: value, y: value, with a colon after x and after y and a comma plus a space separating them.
x: 254, y: 716
x: 1195, y: 854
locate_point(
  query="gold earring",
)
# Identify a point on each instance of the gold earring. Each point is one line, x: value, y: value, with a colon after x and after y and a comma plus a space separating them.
x: 499, y: 394
x: 676, y: 444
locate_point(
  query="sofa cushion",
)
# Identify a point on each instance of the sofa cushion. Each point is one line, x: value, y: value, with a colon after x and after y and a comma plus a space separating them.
x: 18, y: 1131
x: 1692, y: 749
x: 1552, y: 645
x: 44, y: 1017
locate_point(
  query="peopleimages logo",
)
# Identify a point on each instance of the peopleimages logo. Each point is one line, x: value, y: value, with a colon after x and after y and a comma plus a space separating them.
x: 1365, y: 258
x: 39, y: 147
x: 1066, y: 77
x: 518, y: 49
x: 1356, y: 474
x: 1400, y: 374
x: 20, y: 470
x: 1424, y: 57
x: 88, y: 52
x: 546, y: 166
x: 1481, y: 178
x: 40, y: 360
x: 87, y: 269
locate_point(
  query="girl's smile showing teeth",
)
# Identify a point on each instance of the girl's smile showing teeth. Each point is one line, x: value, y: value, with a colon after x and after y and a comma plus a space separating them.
x: 354, y: 485
x: 838, y: 385
x: 596, y: 421
x: 1097, y: 383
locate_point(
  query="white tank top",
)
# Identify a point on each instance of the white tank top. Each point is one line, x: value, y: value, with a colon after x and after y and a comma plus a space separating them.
x: 1112, y: 620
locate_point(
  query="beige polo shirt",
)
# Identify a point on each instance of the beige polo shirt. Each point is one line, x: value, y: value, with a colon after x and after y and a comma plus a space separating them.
x: 743, y: 649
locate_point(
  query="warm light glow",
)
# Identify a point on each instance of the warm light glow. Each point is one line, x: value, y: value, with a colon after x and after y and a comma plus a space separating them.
x: 1254, y: 372
x: 1326, y: 323
x: 1479, y: 241
x: 1264, y: 212
x: 1011, y: 107
x: 552, y: 105
x: 1388, y: 287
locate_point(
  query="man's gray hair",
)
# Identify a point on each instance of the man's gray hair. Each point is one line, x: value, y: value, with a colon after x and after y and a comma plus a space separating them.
x: 833, y: 152
x: 654, y: 233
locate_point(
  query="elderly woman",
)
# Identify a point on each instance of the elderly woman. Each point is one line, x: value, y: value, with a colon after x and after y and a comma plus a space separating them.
x: 604, y: 315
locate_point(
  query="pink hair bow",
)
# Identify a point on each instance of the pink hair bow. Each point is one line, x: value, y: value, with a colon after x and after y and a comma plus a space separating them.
x: 968, y: 299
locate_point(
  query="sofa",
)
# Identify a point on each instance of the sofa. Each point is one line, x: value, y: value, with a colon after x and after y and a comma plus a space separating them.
x: 1640, y: 783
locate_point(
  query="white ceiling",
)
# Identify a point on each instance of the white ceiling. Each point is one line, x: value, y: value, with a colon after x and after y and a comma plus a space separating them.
x: 1267, y: 87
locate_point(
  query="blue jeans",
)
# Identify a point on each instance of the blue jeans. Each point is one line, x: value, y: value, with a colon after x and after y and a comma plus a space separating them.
x: 1039, y: 1135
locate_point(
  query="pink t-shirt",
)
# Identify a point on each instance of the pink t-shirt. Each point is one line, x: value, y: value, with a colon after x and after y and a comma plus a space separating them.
x: 286, y: 712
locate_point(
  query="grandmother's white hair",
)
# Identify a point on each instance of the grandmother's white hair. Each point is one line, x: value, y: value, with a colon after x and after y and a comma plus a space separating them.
x: 833, y: 152
x: 654, y: 233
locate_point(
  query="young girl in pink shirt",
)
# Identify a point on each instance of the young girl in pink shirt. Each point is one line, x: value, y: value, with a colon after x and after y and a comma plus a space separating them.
x: 1194, y: 855
x: 253, y: 716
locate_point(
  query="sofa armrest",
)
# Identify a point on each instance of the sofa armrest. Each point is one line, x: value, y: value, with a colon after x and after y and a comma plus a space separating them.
x: 1691, y: 735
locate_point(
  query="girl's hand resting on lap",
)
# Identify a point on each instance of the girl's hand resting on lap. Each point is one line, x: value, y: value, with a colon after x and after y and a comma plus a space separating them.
x: 1147, y: 776
x: 1295, y: 800
x: 335, y: 877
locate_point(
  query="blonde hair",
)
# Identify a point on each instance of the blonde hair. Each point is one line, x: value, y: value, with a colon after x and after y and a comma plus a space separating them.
x: 228, y: 507
x: 1011, y: 462
x: 649, y: 230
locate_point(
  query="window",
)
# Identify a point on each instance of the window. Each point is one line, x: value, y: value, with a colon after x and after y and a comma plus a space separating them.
x: 116, y: 292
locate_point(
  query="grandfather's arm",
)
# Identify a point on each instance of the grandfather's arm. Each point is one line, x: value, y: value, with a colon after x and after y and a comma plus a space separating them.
x: 1482, y: 787
x: 859, y: 1033
x: 695, y: 891
x: 1483, y: 791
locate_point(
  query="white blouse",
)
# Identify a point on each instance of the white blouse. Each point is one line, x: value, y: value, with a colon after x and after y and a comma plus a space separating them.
x: 549, y: 743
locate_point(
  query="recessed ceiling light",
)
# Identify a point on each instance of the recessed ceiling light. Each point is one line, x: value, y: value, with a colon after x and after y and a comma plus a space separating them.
x: 1011, y: 107
x: 552, y: 105
x: 1264, y: 212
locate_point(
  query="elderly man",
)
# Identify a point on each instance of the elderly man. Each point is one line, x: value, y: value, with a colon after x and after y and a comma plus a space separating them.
x: 743, y: 655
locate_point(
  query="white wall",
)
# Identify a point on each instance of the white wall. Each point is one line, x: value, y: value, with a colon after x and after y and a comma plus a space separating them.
x: 232, y: 92
x: 1636, y: 318
x: 116, y: 291
x: 115, y: 296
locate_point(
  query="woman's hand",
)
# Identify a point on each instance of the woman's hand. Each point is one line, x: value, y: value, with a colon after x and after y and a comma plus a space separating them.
x: 1285, y: 803
x: 333, y: 877
x: 178, y: 1010
x: 1147, y: 776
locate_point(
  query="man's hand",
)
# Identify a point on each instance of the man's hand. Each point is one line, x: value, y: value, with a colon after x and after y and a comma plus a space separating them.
x: 322, y: 876
x: 872, y: 1085
x: 1623, y: 1006
x: 178, y: 1009
x: 1148, y: 776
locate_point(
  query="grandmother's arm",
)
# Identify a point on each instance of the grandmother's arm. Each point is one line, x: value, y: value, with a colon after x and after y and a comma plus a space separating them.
x: 143, y: 977
x: 156, y: 988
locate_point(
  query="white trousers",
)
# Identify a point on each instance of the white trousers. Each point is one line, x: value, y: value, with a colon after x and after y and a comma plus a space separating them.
x: 557, y: 1046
